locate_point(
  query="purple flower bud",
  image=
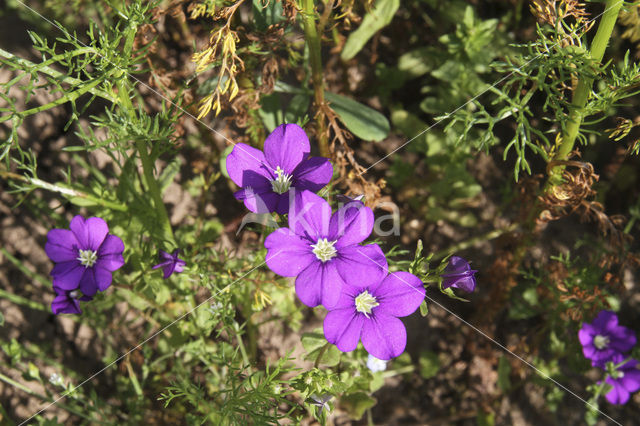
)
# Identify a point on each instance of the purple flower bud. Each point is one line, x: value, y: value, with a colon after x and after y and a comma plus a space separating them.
x: 458, y: 274
x: 170, y: 263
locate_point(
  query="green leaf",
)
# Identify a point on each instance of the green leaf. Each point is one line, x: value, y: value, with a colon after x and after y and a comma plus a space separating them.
x: 355, y: 404
x: 364, y: 122
x: 314, y: 343
x: 223, y: 160
x: 1, y: 319
x: 424, y: 309
x: 267, y: 13
x: 374, y: 21
x: 418, y: 62
x: 82, y: 202
x: 504, y: 369
x: 167, y: 175
x: 429, y: 364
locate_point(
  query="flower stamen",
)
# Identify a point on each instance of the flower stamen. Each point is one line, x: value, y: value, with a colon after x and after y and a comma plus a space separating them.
x: 324, y: 249
x: 601, y: 342
x: 365, y: 302
x: 87, y: 257
x: 282, y: 183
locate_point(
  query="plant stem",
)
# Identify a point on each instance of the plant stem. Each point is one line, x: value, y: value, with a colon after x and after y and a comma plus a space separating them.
x: 64, y: 190
x: 316, y: 364
x: 147, y: 166
x: 45, y: 69
x: 313, y: 41
x: 583, y: 89
x: 28, y: 391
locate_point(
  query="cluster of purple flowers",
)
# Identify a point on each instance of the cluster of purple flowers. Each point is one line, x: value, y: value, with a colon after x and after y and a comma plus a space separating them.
x: 322, y: 249
x: 605, y: 343
x: 85, y: 256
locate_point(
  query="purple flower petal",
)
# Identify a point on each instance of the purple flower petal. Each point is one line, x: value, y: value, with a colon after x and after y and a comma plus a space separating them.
x: 309, y: 215
x: 631, y: 380
x: 312, y: 174
x: 287, y: 253
x: 90, y: 233
x: 343, y: 327
x: 110, y: 253
x: 617, y: 395
x: 103, y: 278
x: 61, y: 246
x: 88, y: 282
x: 384, y: 336
x: 67, y: 275
x: 351, y: 224
x: 244, y: 159
x: 286, y: 147
x: 63, y: 304
x: 399, y: 294
x: 361, y: 266
x: 319, y: 284
x: 258, y: 202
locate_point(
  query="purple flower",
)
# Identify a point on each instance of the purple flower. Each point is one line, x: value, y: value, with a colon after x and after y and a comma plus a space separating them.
x: 67, y: 301
x: 624, y: 380
x: 458, y: 274
x: 604, y: 338
x: 84, y: 256
x: 170, y: 263
x: 266, y: 178
x: 322, y: 250
x: 368, y: 310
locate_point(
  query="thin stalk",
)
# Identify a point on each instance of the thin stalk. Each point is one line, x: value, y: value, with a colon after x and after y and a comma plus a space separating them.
x: 243, y: 350
x: 68, y: 97
x: 64, y: 190
x: 45, y: 69
x: 326, y: 346
x: 147, y: 167
x: 583, y: 89
x: 315, y: 58
x: 10, y: 381
x: 19, y: 300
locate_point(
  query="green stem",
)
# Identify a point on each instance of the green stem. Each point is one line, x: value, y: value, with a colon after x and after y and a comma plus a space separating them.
x: 68, y: 97
x: 243, y: 350
x: 19, y: 300
x: 10, y: 381
x: 313, y: 41
x: 147, y: 166
x: 43, y: 67
x: 583, y: 89
x: 316, y: 364
x: 64, y: 190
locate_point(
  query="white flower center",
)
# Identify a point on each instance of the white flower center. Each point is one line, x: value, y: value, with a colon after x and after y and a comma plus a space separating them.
x: 282, y: 183
x: 87, y: 257
x: 601, y: 342
x: 365, y: 302
x: 324, y: 249
x: 617, y: 374
x: 75, y: 294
